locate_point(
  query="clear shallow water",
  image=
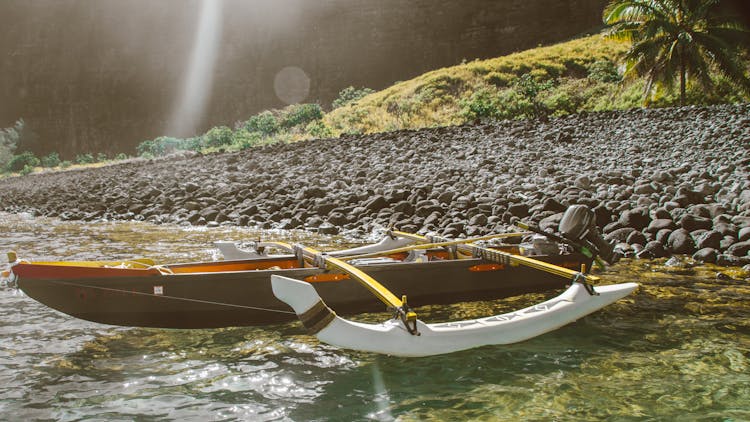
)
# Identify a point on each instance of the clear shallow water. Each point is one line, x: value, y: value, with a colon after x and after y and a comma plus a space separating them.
x: 677, y: 349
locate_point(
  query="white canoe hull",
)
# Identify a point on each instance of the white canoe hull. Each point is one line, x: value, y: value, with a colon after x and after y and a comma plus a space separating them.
x: 392, y: 338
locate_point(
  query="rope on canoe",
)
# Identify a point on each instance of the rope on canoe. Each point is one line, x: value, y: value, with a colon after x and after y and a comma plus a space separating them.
x: 208, y: 302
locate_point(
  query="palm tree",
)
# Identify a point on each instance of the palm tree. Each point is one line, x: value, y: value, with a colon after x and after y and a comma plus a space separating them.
x: 679, y: 37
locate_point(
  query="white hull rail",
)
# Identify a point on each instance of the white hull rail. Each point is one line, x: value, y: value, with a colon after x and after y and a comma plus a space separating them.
x: 392, y: 338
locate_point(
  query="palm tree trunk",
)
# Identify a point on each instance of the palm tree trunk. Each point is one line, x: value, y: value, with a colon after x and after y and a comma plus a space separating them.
x: 682, y: 75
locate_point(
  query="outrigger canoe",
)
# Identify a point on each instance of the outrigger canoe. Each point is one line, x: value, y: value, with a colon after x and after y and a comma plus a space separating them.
x: 256, y: 290
x: 238, y: 292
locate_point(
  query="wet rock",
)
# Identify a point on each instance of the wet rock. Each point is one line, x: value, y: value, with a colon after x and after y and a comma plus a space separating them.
x: 325, y: 208
x: 289, y: 223
x: 582, y: 182
x: 644, y: 189
x: 680, y: 242
x: 651, y: 250
x: 328, y: 228
x: 723, y: 276
x: 551, y: 223
x: 191, y: 187
x: 739, y: 248
x: 744, y: 234
x: 637, y: 218
x: 709, y: 239
x: 691, y: 223
x: 478, y: 220
x: 551, y: 204
x: 519, y: 210
x: 726, y: 242
x: 660, y: 224
x: 619, y: 235
x: 375, y: 204
x: 249, y: 210
x: 727, y: 229
x: 662, y: 236
x: 636, y: 237
x: 311, y: 192
x: 615, y: 225
x: 727, y: 260
x: 707, y: 255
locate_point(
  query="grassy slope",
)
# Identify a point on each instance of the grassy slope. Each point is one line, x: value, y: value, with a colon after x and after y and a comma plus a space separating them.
x: 435, y: 98
x: 583, y: 75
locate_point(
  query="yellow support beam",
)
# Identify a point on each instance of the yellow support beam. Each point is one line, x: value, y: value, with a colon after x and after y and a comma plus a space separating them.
x: 380, y: 291
x: 494, y: 255
x: 430, y: 245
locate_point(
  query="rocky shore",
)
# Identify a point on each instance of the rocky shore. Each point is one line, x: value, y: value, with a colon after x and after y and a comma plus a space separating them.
x: 661, y: 181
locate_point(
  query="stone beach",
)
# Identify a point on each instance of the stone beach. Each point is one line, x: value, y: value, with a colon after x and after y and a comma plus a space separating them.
x: 661, y: 182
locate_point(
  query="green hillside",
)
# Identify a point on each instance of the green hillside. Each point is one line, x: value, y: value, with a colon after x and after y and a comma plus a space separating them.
x: 580, y: 75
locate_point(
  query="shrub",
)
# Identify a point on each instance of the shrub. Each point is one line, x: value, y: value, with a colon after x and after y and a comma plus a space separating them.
x: 121, y: 156
x: 84, y: 159
x: 243, y: 139
x: 481, y: 104
x: 65, y: 164
x: 604, y: 70
x: 26, y: 158
x: 529, y: 88
x: 101, y: 157
x: 191, y: 144
x: 319, y: 129
x: 144, y: 147
x: 301, y: 114
x: 265, y: 123
x: 512, y: 105
x: 349, y: 95
x: 352, y: 121
x: 218, y: 137
x: 26, y: 169
x: 51, y: 160
x: 165, y: 145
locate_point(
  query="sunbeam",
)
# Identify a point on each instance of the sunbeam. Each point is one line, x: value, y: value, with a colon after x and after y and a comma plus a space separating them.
x: 196, y: 90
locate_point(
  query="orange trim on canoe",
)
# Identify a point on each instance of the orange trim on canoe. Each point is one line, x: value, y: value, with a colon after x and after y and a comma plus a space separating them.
x: 486, y: 267
x: 327, y: 277
x: 212, y: 267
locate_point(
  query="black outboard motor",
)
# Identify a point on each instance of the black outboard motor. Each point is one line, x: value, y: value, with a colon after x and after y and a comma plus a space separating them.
x: 578, y: 224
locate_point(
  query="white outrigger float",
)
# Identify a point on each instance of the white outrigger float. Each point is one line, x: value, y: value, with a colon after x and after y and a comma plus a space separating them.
x: 394, y: 337
x: 406, y: 335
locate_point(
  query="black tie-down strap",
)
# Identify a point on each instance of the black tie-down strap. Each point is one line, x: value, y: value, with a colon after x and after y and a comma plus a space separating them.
x: 317, y: 317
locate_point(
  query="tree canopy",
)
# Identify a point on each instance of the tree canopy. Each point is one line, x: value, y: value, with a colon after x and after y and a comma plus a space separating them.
x: 680, y: 39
